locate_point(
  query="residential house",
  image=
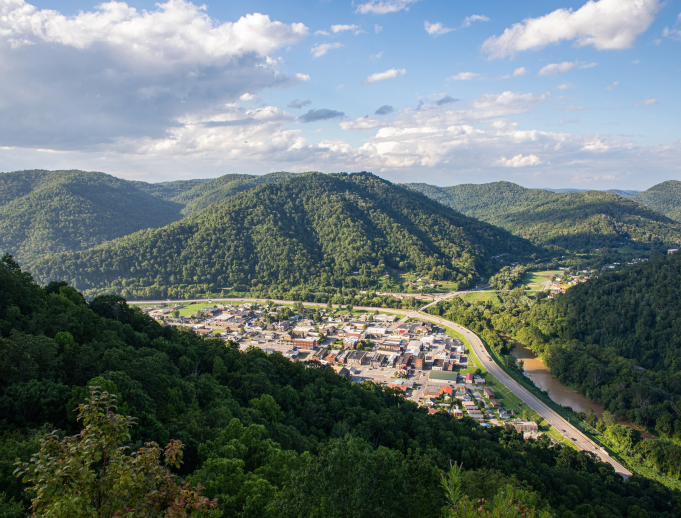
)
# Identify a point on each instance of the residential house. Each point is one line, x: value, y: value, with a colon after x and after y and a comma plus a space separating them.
x: 489, y: 393
x: 469, y: 377
x: 378, y: 360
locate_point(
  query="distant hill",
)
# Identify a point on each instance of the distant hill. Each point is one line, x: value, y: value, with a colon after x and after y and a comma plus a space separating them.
x: 169, y: 190
x: 618, y: 192
x: 207, y: 192
x: 315, y: 230
x: 575, y: 221
x: 664, y: 198
x: 43, y: 212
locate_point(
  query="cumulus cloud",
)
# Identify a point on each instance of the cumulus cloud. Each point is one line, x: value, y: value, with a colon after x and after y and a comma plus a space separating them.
x: 565, y: 86
x: 297, y: 104
x: 115, y: 72
x: 559, y: 68
x: 474, y: 18
x: 376, y: 56
x: 605, y: 24
x: 464, y: 76
x: 342, y: 28
x: 384, y: 110
x: 384, y: 6
x: 447, y: 99
x: 320, y: 115
x: 519, y: 161
x: 382, y: 76
x: 321, y: 49
x: 436, y: 29
x: 247, y: 97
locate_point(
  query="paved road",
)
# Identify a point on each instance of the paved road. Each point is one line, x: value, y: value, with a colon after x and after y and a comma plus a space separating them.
x: 478, y: 348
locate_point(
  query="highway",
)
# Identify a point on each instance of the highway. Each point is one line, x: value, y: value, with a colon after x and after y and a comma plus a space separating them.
x: 533, y: 402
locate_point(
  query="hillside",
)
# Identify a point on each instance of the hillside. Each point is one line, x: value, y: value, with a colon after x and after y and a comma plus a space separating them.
x: 44, y: 212
x: 326, y: 231
x: 265, y: 436
x: 664, y: 198
x: 169, y: 190
x: 207, y: 192
x: 575, y: 221
x: 617, y: 338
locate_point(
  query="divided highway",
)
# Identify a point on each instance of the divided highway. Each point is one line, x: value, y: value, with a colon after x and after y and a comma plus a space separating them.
x: 478, y: 348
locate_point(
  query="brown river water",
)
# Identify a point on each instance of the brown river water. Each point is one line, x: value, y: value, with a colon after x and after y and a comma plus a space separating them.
x: 540, y: 374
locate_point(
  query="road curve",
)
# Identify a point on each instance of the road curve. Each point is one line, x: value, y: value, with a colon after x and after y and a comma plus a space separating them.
x: 533, y: 402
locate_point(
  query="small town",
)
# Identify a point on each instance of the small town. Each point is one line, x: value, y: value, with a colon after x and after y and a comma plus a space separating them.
x: 415, y: 357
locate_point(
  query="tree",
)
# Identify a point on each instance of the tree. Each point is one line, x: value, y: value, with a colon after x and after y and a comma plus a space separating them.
x: 508, y: 502
x: 90, y: 475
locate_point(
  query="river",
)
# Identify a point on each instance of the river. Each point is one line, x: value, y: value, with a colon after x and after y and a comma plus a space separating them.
x: 540, y: 374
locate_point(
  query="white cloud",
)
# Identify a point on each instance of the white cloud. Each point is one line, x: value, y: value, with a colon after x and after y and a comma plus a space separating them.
x: 376, y: 56
x: 301, y: 77
x: 464, y: 76
x: 76, y: 82
x: 614, y: 85
x: 342, y: 28
x: 565, y: 86
x: 519, y: 161
x: 322, y: 48
x: 388, y: 74
x: 384, y: 6
x: 648, y: 102
x: 596, y: 146
x: 321, y: 33
x: 377, y: 28
x: 505, y: 104
x: 474, y: 18
x: 605, y: 24
x: 436, y: 29
x: 247, y: 97
x: 559, y: 68
x: 520, y: 72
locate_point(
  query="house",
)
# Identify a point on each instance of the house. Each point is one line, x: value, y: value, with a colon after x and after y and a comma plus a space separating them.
x: 282, y: 326
x: 438, y: 365
x: 447, y: 390
x: 420, y: 361
x: 494, y: 403
x: 457, y: 412
x: 399, y: 386
x: 469, y: 377
x: 342, y: 371
x: 489, y: 393
x: 432, y: 394
x: 433, y: 410
x: 356, y: 358
x: 524, y: 425
x: 479, y: 380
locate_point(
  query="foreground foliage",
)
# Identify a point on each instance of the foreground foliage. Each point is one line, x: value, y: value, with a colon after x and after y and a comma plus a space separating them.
x: 263, y: 435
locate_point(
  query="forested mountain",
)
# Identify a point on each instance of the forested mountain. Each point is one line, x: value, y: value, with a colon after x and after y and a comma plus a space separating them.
x: 326, y: 231
x: 264, y: 436
x: 617, y: 338
x: 576, y: 221
x: 664, y: 198
x: 618, y: 192
x: 208, y: 192
x: 169, y: 190
x: 43, y: 212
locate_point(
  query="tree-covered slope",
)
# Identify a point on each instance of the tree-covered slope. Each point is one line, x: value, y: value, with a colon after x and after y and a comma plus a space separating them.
x: 265, y: 436
x: 315, y: 230
x: 575, y: 221
x: 617, y: 339
x: 169, y: 190
x: 43, y: 212
x: 208, y: 192
x: 664, y: 198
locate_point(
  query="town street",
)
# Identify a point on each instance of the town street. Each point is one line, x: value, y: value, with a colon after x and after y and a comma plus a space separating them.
x: 550, y: 416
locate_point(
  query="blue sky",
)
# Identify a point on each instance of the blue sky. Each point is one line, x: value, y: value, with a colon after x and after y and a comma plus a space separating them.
x: 544, y: 94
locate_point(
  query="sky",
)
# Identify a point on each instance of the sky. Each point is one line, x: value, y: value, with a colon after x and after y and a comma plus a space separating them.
x: 551, y: 93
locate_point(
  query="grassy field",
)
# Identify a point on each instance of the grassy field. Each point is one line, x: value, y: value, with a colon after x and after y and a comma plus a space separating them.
x: 481, y: 296
x: 535, y: 280
x: 443, y: 375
